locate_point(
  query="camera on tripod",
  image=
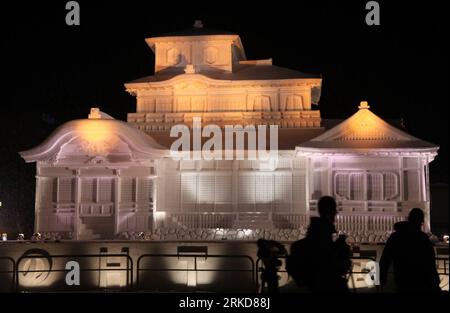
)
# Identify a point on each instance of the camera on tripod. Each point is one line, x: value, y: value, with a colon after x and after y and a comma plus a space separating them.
x: 269, y: 251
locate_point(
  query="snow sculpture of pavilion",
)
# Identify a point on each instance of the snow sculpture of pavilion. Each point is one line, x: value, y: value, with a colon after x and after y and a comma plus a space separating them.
x: 99, y: 177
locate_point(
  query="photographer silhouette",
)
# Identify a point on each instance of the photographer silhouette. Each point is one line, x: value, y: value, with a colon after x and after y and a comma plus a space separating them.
x: 318, y: 262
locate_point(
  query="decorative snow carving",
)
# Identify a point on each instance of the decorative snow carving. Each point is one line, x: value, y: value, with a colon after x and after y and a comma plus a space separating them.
x: 173, y: 56
x: 210, y: 55
x: 97, y: 160
x: 98, y: 147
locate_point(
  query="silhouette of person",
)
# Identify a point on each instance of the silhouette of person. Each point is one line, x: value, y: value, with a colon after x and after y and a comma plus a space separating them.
x: 317, y: 262
x: 412, y: 255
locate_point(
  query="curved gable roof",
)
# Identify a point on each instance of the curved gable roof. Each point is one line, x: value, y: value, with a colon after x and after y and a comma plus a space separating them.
x: 99, y: 135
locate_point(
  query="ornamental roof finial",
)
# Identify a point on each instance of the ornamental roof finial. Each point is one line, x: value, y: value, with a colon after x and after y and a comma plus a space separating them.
x: 363, y: 105
x: 95, y: 114
x: 198, y: 24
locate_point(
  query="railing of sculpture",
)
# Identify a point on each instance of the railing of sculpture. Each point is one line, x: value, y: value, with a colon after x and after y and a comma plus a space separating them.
x: 367, y: 222
x: 365, y: 216
x: 204, y: 220
x: 96, y: 209
x: 290, y: 221
x: 349, y: 222
x: 356, y: 206
x: 38, y: 270
x: 200, y: 262
x: 352, y: 223
x: 252, y: 215
x: 384, y: 223
x: 147, y: 121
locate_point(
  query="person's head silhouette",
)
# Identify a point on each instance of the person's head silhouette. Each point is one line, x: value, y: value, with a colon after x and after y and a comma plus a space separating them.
x: 327, y: 208
x: 416, y: 218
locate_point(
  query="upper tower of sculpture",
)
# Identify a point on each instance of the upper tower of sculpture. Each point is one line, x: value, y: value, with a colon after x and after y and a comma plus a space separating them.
x: 204, y: 72
x: 204, y: 49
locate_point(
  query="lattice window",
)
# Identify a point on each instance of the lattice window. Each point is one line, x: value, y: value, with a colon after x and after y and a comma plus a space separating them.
x: 366, y: 186
x: 145, y: 189
x: 261, y: 103
x: 189, y: 188
x: 299, y: 191
x: 184, y: 103
x: 283, y: 188
x: 173, y: 183
x: 47, y: 188
x: 374, y: 186
x: 294, y: 102
x: 164, y: 104
x: 214, y: 103
x: 342, y: 186
x: 317, y: 186
x: 236, y: 103
x: 357, y: 188
x: 105, y: 190
x: 198, y: 103
x: 206, y: 189
x: 88, y: 189
x: 66, y: 190
x: 411, y: 185
x: 390, y: 186
x: 224, y: 188
x: 147, y: 105
x: 127, y: 189
x: 246, y: 189
x: 264, y: 188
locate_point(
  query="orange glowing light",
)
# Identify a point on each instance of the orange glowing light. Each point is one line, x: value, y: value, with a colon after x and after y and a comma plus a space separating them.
x: 97, y: 137
x: 364, y: 125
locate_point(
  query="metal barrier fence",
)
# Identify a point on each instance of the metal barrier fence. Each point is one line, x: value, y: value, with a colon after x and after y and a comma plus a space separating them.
x: 363, y: 270
x: 196, y: 269
x: 101, y: 268
x: 18, y: 270
x: 442, y: 266
x: 444, y: 269
x: 9, y: 272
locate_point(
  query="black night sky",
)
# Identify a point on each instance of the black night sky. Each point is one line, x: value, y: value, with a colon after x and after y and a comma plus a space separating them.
x: 52, y: 73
